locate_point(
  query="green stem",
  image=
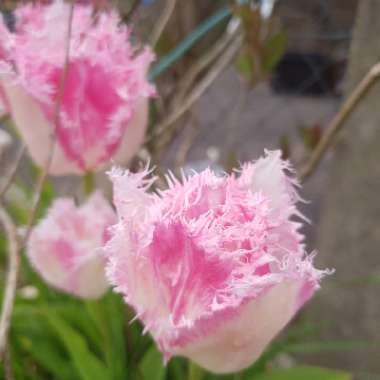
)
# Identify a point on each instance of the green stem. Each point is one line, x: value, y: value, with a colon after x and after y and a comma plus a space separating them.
x: 194, y: 372
x: 96, y: 311
x: 88, y: 183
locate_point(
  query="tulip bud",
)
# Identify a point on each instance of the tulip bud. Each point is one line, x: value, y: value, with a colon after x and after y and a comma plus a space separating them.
x: 214, y: 266
x: 64, y: 248
x: 102, y: 93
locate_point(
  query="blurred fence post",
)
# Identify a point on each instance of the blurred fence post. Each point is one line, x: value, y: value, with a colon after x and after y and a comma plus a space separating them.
x: 349, y: 239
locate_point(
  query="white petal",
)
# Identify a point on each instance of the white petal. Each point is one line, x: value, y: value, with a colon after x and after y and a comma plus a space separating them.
x: 239, y: 342
x: 34, y: 128
x: 135, y: 133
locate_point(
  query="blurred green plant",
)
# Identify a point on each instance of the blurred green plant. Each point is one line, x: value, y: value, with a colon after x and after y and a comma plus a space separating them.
x: 264, y: 45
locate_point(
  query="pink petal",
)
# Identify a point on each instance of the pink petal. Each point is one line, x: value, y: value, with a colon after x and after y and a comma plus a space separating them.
x: 240, y: 341
x: 65, y: 246
x: 35, y: 129
x: 100, y: 113
x: 211, y: 260
x: 134, y: 135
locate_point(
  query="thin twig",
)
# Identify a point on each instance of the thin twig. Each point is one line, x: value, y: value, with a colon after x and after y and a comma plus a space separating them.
x: 203, y: 62
x: 12, y: 172
x: 184, y: 86
x: 199, y: 89
x: 163, y: 20
x: 11, y: 278
x: 187, y: 143
x: 45, y: 170
x: 338, y: 121
x: 187, y: 81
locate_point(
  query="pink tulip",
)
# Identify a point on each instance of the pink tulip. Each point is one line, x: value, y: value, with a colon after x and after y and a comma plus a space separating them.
x: 213, y: 266
x: 104, y: 97
x: 64, y: 248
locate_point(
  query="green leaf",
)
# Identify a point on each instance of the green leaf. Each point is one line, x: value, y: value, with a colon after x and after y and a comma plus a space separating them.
x: 116, y: 323
x: 152, y: 365
x: 76, y: 316
x: 177, y: 368
x: 38, y: 351
x: 88, y: 365
x: 48, y: 357
x: 304, y: 373
x: 273, y: 50
x: 194, y: 372
x: 245, y: 64
x: 108, y: 315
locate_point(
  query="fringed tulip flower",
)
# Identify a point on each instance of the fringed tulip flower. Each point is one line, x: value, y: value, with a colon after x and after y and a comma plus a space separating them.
x: 65, y: 247
x: 97, y: 104
x: 214, y: 266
